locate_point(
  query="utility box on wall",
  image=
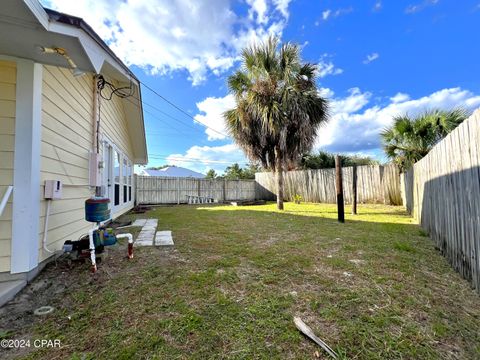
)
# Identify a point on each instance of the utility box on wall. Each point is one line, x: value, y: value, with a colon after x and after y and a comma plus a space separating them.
x: 53, y: 189
x: 96, y: 166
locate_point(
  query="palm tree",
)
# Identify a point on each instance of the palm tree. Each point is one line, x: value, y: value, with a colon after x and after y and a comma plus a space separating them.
x: 211, y: 174
x: 278, y: 108
x: 408, y: 140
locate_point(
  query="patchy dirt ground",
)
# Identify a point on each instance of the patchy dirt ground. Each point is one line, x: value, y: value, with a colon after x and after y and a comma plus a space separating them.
x: 372, y: 288
x: 49, y: 288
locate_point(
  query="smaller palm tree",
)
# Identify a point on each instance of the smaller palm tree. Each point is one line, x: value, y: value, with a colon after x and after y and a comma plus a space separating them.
x: 408, y: 140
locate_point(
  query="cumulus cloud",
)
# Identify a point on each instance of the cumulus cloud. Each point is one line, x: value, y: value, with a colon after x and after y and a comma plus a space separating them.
x: 371, y: 57
x: 213, y: 109
x: 399, y: 97
x: 203, y: 158
x: 353, y: 127
x: 163, y: 36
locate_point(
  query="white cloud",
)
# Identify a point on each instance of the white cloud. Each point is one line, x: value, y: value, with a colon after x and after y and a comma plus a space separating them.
x: 354, y: 126
x: 163, y: 36
x: 282, y: 7
x: 377, y: 6
x: 326, y: 67
x: 326, y: 93
x: 213, y: 109
x: 371, y: 57
x: 202, y: 158
x: 260, y: 8
x: 342, y: 11
x: 352, y: 130
x: 330, y: 14
x: 414, y: 8
x: 400, y: 97
x: 352, y: 103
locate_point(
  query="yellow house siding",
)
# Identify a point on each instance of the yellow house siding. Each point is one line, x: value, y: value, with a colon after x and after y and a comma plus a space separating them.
x: 111, y: 111
x: 67, y: 133
x: 8, y: 75
x: 116, y: 131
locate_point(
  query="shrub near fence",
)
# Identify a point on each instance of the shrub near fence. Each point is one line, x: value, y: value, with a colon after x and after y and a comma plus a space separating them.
x: 173, y: 190
x: 442, y: 191
x: 375, y: 184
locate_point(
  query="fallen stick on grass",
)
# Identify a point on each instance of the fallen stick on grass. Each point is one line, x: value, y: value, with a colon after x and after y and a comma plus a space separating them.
x: 305, y: 329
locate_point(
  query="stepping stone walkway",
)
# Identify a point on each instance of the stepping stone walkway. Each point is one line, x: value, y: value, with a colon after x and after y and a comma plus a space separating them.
x: 163, y: 238
x: 139, y: 222
x: 145, y: 238
x: 149, y: 235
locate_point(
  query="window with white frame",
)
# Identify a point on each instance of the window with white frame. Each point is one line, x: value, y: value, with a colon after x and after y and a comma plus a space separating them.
x: 117, y: 170
x: 130, y: 180
x: 121, y: 169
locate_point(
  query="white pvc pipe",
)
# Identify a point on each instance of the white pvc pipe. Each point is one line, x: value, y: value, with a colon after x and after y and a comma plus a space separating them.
x: 92, y: 248
x: 45, y: 229
x: 3, y: 204
x: 130, y: 243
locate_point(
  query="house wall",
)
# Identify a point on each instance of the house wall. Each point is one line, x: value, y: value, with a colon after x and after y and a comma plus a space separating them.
x: 67, y: 133
x: 116, y: 132
x: 7, y: 141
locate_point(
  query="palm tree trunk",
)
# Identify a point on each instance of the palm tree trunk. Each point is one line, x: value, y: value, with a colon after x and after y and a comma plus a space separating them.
x: 279, y: 170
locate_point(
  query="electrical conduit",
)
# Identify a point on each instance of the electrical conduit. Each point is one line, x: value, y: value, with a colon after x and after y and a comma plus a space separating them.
x: 45, y: 229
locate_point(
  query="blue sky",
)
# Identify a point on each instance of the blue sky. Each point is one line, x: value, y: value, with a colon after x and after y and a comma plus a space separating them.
x: 376, y: 58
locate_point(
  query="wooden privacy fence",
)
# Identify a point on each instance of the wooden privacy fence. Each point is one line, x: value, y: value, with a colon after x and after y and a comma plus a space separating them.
x: 442, y: 191
x: 375, y: 184
x: 174, y: 190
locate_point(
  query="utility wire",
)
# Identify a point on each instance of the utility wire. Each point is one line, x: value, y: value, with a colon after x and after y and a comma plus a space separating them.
x: 101, y: 83
x: 163, y: 112
x: 181, y: 110
x: 193, y: 160
x: 120, y: 92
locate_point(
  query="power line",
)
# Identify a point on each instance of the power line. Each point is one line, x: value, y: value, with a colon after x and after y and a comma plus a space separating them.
x: 195, y: 160
x: 181, y: 110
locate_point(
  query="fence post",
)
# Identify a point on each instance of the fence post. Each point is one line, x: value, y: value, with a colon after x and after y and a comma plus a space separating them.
x: 224, y: 190
x: 339, y: 183
x: 354, y: 189
x: 178, y: 191
x: 135, y: 189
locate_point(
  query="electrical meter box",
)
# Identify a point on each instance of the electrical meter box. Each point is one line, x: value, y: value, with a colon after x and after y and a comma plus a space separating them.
x: 53, y: 189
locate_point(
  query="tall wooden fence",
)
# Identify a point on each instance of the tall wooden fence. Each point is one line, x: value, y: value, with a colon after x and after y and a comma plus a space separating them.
x: 375, y: 184
x: 442, y: 191
x: 174, y: 190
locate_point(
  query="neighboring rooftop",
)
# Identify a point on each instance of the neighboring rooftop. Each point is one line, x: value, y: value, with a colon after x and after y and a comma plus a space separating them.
x: 172, y: 171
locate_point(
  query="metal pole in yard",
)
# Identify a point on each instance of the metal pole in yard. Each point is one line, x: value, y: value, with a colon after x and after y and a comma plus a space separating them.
x: 354, y: 190
x: 339, y: 186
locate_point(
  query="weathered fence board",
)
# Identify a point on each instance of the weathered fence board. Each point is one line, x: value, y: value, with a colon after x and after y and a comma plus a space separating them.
x: 442, y: 191
x: 174, y: 190
x: 375, y: 184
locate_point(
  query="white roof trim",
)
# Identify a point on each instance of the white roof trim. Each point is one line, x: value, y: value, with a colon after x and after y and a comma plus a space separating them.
x: 37, y: 9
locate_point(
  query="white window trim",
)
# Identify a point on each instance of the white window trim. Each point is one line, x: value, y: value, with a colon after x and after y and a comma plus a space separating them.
x: 111, y: 191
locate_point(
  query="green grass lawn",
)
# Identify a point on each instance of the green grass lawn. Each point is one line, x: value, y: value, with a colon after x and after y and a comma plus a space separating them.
x: 372, y: 288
